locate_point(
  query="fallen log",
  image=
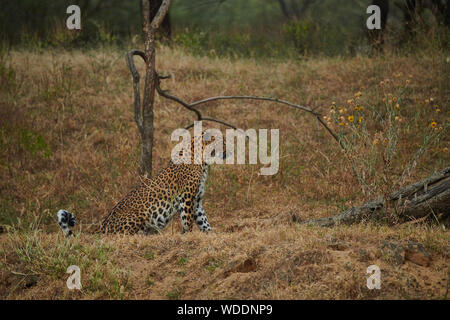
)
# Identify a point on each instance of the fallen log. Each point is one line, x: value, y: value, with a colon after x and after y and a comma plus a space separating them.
x: 415, y: 201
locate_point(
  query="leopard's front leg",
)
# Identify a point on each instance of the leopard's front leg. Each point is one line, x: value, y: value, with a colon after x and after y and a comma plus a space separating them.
x: 187, y: 212
x: 200, y: 216
x: 199, y: 211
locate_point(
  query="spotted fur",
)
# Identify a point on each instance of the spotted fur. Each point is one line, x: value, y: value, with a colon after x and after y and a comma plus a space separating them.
x: 147, y: 209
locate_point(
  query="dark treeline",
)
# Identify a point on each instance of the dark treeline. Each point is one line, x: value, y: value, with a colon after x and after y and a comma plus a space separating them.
x: 44, y: 21
x: 231, y: 27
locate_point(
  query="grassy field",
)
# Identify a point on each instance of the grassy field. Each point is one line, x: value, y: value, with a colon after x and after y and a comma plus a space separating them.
x: 68, y: 140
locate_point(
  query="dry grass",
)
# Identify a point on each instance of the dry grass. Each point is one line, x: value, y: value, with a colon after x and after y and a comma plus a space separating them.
x: 68, y: 140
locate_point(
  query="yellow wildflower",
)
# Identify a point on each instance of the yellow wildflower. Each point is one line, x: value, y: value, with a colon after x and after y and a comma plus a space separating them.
x: 350, y: 118
x: 433, y: 124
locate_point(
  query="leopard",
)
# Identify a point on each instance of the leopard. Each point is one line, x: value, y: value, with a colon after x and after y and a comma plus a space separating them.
x: 148, y: 208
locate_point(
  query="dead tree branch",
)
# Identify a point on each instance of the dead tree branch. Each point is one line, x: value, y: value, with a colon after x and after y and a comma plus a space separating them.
x: 429, y: 196
x: 192, y: 106
x: 136, y: 79
x: 176, y: 99
x: 159, y: 17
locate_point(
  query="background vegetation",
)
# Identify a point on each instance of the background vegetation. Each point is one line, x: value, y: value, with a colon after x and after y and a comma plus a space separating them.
x: 253, y: 28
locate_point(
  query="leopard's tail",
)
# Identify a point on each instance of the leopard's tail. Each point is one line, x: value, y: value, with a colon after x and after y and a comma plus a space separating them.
x: 66, y: 221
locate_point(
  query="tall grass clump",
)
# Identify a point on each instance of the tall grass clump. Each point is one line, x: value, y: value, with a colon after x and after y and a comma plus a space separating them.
x: 387, y: 132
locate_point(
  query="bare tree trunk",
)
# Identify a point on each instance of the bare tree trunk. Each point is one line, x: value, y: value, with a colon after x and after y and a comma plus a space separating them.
x: 165, y: 29
x: 416, y: 201
x: 144, y: 115
x: 149, y: 92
